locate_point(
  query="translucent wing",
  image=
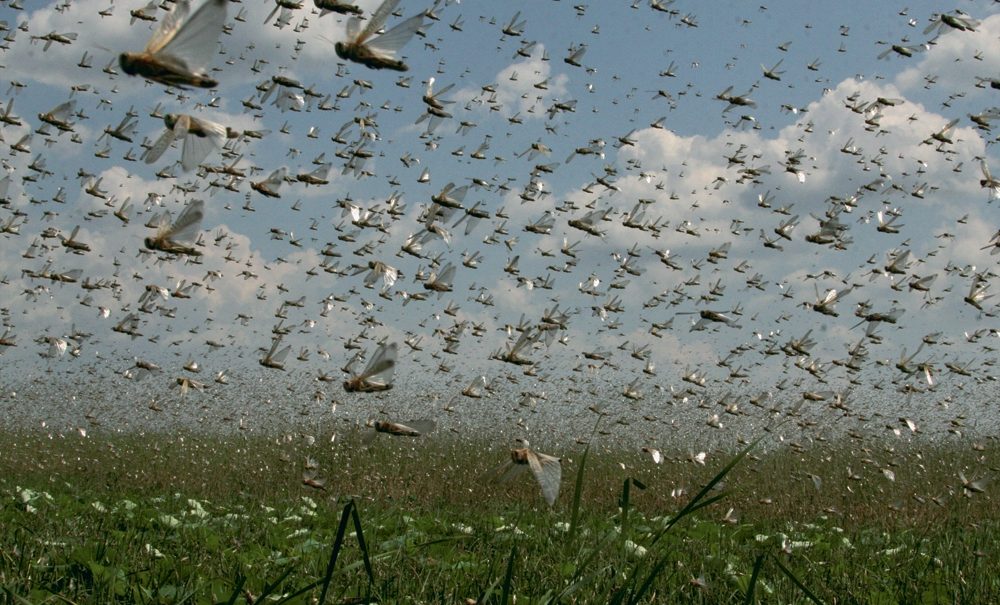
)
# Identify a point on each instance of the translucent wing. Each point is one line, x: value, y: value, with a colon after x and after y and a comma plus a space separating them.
x: 169, y: 26
x: 351, y: 366
x: 389, y: 276
x: 373, y: 274
x: 458, y: 194
x: 161, y: 223
x: 513, y: 21
x: 288, y: 100
x: 322, y: 172
x: 447, y: 275
x: 935, y: 24
x: 280, y: 356
x: 57, y: 347
x: 476, y: 387
x: 187, y: 223
x: 524, y: 340
x: 276, y: 178
x: 378, y: 18
x: 431, y: 93
x: 504, y: 473
x: 276, y: 356
x: 63, y: 111
x: 194, y: 43
x: 163, y: 143
x: 441, y: 232
x: 472, y: 223
x: 368, y: 436
x: 548, y: 473
x: 166, y: 139
x: 434, y: 213
x: 378, y: 268
x: 128, y: 127
x: 394, y: 39
x: 353, y: 28
x: 197, y: 148
x: 421, y: 426
x: 382, y: 366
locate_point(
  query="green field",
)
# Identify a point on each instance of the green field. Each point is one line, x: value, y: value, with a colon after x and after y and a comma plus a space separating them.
x: 199, y: 519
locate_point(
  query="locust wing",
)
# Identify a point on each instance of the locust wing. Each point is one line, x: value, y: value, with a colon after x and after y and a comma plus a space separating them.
x: 391, y: 41
x: 197, y: 147
x: 187, y: 223
x: 190, y: 42
x: 548, y: 472
x: 377, y: 19
x: 382, y: 366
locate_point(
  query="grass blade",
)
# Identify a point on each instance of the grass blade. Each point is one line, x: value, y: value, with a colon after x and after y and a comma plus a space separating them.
x: 751, y: 588
x: 699, y: 501
x: 578, y: 578
x: 505, y: 592
x: 696, y: 502
x: 270, y: 587
x: 797, y: 582
x: 297, y: 593
x: 362, y: 544
x: 703, y: 504
x: 574, y: 519
x: 485, y: 597
x: 16, y: 597
x: 338, y: 542
x: 623, y: 503
x: 238, y: 589
x: 650, y: 578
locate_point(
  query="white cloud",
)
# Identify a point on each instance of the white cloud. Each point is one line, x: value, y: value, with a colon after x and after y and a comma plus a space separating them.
x: 525, y: 87
x: 955, y: 60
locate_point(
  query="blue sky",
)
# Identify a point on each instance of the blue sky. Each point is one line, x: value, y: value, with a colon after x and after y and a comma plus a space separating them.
x: 698, y: 200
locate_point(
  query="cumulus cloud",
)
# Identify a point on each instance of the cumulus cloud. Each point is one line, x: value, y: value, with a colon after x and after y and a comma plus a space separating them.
x: 955, y: 60
x: 525, y: 88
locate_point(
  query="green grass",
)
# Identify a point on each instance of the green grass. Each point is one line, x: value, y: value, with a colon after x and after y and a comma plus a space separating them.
x: 201, y: 519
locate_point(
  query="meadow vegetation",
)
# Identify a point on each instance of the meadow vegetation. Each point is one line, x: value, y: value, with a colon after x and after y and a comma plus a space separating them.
x: 159, y: 518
